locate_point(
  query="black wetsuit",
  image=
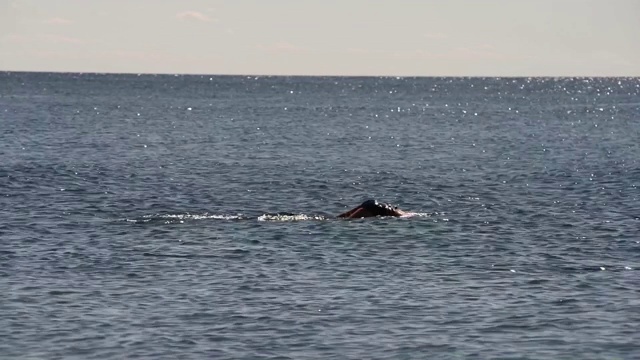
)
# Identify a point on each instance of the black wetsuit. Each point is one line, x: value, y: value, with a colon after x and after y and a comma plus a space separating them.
x: 378, y: 209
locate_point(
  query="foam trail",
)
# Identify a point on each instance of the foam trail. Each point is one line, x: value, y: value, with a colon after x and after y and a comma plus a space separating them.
x: 289, y: 217
x: 181, y: 218
x: 273, y: 217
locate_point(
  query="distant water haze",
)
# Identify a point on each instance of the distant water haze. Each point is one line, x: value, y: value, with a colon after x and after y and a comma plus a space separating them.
x: 329, y: 37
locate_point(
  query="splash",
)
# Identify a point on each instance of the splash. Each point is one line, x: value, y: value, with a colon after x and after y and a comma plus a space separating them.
x: 415, y: 214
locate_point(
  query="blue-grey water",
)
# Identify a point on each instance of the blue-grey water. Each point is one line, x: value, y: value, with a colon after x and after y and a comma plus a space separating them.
x: 139, y: 217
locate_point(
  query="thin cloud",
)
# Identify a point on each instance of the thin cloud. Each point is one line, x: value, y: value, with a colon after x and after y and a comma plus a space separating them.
x: 130, y: 55
x: 474, y: 53
x: 363, y: 51
x: 357, y: 50
x: 54, y: 54
x: 15, y: 39
x: 482, y: 51
x: 435, y: 36
x: 194, y: 15
x: 282, y: 47
x: 50, y: 38
x: 285, y: 46
x: 57, y: 21
x: 60, y: 39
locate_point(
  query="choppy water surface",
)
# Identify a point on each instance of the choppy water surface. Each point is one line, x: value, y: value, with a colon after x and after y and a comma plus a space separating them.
x: 167, y: 217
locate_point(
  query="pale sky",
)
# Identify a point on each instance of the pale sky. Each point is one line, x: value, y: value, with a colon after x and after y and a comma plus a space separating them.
x: 324, y: 37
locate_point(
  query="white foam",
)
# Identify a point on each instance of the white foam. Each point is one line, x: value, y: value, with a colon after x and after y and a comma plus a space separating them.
x: 183, y: 217
x: 298, y: 217
x: 413, y: 214
x: 197, y: 217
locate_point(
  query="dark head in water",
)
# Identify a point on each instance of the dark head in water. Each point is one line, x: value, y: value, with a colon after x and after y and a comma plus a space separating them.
x: 372, y: 208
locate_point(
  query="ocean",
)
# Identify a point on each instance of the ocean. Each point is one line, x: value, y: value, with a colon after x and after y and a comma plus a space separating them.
x: 193, y: 217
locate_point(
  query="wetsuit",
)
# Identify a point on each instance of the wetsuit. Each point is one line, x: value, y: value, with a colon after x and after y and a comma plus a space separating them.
x: 372, y: 208
x: 379, y: 209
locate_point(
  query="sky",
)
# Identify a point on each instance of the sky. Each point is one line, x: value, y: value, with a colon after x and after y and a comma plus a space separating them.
x: 323, y: 37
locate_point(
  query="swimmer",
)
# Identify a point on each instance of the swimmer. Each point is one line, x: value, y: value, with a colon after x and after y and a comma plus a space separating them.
x: 372, y: 208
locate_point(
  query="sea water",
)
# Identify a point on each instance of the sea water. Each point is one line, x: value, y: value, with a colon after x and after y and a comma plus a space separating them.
x: 163, y: 217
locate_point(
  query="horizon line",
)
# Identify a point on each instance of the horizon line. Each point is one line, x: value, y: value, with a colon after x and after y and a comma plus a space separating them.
x: 313, y: 75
